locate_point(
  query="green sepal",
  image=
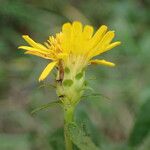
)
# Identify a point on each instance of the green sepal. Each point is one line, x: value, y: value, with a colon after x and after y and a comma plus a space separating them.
x: 45, y: 106
x: 67, y: 82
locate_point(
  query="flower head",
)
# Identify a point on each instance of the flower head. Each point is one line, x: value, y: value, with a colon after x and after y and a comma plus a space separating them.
x: 74, y: 47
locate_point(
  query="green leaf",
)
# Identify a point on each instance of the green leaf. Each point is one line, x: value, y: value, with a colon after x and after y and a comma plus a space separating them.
x: 79, y: 138
x: 141, y: 127
x: 47, y: 85
x: 96, y: 95
x: 67, y: 82
x: 45, y: 106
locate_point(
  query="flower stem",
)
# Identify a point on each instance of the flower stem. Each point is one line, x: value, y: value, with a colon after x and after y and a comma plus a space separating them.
x: 68, y: 118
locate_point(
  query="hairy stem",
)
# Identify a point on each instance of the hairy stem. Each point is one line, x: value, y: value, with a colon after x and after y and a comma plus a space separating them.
x: 68, y: 118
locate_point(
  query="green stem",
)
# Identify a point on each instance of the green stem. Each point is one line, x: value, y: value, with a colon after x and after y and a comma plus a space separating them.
x: 68, y: 118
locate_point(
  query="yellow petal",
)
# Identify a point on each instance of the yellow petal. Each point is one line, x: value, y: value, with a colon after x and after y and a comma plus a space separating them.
x: 76, y: 38
x: 97, y: 37
x: 42, y: 46
x: 88, y: 32
x: 47, y: 70
x: 33, y: 43
x: 106, y: 48
x: 102, y: 62
x: 107, y: 38
x: 38, y: 54
x: 103, y: 44
x: 112, y: 45
x: 77, y: 27
x: 66, y: 31
x: 32, y: 49
x: 99, y: 34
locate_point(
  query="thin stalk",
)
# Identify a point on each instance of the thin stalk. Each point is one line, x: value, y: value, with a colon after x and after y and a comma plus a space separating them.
x: 68, y: 118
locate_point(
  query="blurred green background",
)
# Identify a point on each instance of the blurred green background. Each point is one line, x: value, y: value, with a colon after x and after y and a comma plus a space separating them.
x: 118, y: 119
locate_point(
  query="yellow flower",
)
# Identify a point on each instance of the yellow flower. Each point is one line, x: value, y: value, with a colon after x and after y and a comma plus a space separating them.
x: 74, y: 47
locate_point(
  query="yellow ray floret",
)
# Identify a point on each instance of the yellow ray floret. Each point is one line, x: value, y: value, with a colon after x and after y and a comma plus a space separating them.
x: 102, y: 62
x: 74, y: 41
x: 47, y: 70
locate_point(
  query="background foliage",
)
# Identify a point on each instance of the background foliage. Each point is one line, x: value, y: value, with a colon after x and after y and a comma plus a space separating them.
x: 117, y: 119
